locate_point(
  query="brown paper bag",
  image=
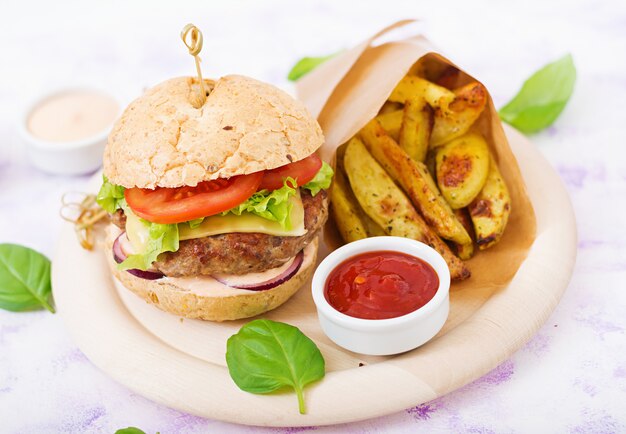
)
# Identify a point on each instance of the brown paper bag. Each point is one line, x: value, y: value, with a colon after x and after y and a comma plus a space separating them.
x: 349, y: 90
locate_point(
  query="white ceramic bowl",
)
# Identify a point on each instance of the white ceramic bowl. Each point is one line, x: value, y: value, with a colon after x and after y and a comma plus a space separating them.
x: 383, y: 336
x: 64, y: 158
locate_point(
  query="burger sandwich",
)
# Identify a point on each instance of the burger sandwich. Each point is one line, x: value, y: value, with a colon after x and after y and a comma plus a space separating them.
x: 215, y: 207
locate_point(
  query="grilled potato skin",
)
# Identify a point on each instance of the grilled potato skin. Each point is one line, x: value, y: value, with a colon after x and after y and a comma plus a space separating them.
x: 346, y: 210
x: 390, y: 107
x: 391, y: 122
x: 417, y: 126
x: 462, y: 166
x: 351, y: 221
x: 491, y: 209
x: 415, y: 89
x: 454, y: 111
x: 387, y: 205
x: 464, y: 250
x: 456, y: 118
x: 415, y: 180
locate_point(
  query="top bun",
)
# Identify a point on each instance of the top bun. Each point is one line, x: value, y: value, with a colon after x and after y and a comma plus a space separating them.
x: 162, y: 140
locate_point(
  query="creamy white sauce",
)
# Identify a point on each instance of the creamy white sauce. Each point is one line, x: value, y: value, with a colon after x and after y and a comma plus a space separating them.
x: 204, y: 285
x: 252, y: 278
x: 72, y: 115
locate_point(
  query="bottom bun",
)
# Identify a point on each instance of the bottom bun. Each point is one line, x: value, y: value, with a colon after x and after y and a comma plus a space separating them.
x: 207, y: 299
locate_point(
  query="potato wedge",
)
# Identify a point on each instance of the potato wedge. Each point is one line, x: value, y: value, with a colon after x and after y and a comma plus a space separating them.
x: 448, y: 77
x: 462, y: 214
x: 455, y: 111
x: 387, y: 205
x: 351, y: 221
x: 491, y: 209
x: 462, y: 169
x: 373, y: 229
x: 430, y: 163
x: 464, y: 251
x: 417, y: 125
x: 392, y: 122
x: 389, y: 107
x: 346, y: 210
x: 456, y: 118
x: 415, y: 180
x: 412, y: 88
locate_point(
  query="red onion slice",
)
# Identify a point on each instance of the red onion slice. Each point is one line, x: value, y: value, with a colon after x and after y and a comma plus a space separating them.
x: 147, y: 275
x: 264, y: 280
x: 121, y: 250
x: 118, y: 253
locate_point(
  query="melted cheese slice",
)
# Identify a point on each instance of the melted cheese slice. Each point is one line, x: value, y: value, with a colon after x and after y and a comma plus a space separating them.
x: 138, y: 232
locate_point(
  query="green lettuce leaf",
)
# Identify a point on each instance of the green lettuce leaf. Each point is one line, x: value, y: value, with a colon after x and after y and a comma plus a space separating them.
x: 110, y: 196
x: 162, y: 238
x: 195, y: 223
x: 322, y: 179
x: 271, y: 205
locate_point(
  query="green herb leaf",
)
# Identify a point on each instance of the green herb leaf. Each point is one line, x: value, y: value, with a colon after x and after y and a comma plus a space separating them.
x: 129, y: 430
x: 542, y: 98
x: 110, y: 196
x: 271, y: 205
x: 265, y: 356
x: 322, y: 179
x: 24, y: 279
x: 306, y: 65
x: 162, y: 238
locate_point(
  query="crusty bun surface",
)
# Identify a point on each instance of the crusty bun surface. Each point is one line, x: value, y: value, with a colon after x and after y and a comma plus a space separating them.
x: 244, y: 126
x: 207, y: 299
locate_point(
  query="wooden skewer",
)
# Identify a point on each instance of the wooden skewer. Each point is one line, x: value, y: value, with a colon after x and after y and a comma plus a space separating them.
x: 192, y: 38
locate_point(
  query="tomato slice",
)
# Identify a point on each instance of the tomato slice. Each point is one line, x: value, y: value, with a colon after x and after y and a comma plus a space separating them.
x: 177, y: 205
x: 302, y: 171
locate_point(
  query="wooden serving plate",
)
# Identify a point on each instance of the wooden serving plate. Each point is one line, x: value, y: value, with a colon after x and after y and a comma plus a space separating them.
x: 181, y: 364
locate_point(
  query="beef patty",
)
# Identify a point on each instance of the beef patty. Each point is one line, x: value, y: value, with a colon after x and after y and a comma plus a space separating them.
x: 240, y: 253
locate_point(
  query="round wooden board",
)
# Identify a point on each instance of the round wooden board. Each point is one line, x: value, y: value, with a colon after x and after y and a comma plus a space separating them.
x: 180, y: 363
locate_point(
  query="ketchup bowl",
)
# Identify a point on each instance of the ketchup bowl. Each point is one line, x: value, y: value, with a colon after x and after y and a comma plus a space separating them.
x: 382, y: 295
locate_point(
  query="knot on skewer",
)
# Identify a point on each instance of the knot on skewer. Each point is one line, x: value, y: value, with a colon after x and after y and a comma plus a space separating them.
x: 82, y: 210
x: 192, y: 38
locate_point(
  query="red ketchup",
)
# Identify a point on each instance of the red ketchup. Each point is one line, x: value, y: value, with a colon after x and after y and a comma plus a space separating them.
x: 381, y: 285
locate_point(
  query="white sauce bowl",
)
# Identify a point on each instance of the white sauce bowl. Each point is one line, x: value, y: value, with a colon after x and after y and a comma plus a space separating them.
x: 73, y: 157
x: 383, y: 336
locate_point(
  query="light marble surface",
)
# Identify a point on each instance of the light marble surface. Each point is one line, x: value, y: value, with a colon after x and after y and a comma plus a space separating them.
x: 570, y: 378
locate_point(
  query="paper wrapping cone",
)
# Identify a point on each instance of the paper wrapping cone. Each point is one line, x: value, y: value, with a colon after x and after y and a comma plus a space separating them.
x: 349, y: 90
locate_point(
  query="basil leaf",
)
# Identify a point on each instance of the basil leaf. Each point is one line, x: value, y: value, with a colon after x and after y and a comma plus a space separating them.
x: 24, y: 279
x: 322, y: 179
x: 265, y: 356
x: 542, y: 98
x: 129, y: 430
x: 306, y: 65
x: 111, y: 196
